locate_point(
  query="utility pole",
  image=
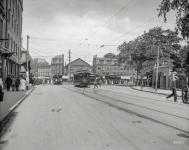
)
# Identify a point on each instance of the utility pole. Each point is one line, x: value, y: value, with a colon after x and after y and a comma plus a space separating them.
x: 69, y: 64
x: 62, y: 64
x: 27, y: 59
x: 157, y: 65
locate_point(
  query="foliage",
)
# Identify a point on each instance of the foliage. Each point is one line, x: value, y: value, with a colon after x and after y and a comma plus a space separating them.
x: 142, y: 52
x: 110, y: 55
x: 182, y: 14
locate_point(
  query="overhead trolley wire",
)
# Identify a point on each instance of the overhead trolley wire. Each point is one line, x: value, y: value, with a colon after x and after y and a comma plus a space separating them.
x: 104, y: 24
x: 123, y: 35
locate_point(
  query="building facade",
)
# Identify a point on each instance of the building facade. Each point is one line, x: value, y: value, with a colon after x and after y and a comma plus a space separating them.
x: 107, y: 66
x: 77, y: 65
x: 44, y: 71
x: 57, y: 65
x: 40, y: 67
x: 10, y: 37
x: 24, y: 61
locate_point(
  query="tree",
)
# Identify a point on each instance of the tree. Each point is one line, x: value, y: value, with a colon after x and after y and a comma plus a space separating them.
x: 142, y: 52
x: 182, y: 14
x: 110, y: 55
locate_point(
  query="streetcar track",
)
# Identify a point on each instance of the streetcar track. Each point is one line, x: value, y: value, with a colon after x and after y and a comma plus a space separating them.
x: 141, y: 97
x: 135, y: 113
x: 136, y: 105
x: 154, y: 100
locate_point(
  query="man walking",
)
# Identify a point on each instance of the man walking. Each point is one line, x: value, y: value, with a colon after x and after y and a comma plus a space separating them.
x: 95, y: 83
x: 8, y: 81
x: 173, y: 88
x: 17, y: 83
x: 13, y: 83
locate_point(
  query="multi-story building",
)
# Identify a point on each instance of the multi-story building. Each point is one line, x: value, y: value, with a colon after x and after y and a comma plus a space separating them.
x: 107, y: 66
x: 10, y: 37
x: 57, y: 65
x: 40, y: 68
x: 44, y: 71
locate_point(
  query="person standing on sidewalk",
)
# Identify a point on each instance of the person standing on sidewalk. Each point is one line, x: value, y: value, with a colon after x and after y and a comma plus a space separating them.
x: 17, y: 83
x: 13, y: 83
x: 173, y: 88
x: 22, y: 84
x: 8, y: 81
x: 1, y: 90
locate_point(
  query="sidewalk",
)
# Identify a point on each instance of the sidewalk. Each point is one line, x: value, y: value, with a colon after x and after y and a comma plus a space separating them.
x: 159, y: 91
x: 11, y: 101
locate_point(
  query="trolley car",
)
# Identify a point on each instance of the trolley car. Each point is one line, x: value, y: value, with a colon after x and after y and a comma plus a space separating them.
x: 81, y: 78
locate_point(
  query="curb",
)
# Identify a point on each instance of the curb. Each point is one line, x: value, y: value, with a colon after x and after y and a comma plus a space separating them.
x: 153, y: 92
x: 5, y: 119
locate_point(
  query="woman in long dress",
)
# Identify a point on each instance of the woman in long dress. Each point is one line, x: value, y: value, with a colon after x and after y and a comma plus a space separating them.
x: 22, y: 84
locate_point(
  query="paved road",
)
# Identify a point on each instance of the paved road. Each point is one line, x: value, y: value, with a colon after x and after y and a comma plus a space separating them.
x: 69, y: 118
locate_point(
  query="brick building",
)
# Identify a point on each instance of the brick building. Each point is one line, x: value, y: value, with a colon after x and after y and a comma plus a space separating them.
x: 107, y: 66
x: 57, y: 65
x: 10, y: 37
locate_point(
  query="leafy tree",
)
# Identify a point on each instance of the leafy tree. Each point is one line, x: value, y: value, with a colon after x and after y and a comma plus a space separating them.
x: 182, y: 14
x: 110, y: 55
x: 142, y: 52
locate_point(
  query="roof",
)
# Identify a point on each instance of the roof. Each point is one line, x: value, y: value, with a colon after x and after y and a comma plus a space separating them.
x: 57, y: 56
x: 78, y: 60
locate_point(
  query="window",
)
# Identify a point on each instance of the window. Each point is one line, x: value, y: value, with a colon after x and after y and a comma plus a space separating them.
x: 7, y: 42
x: 12, y: 21
x: 1, y: 29
x: 101, y: 61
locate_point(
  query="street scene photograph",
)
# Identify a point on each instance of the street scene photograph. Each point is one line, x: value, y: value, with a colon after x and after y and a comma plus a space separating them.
x: 94, y: 74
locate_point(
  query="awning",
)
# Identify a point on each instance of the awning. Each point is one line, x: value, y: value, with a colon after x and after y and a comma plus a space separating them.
x: 22, y: 70
x: 125, y: 77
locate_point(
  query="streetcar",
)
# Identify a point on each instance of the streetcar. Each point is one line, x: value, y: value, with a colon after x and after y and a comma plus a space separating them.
x: 81, y: 78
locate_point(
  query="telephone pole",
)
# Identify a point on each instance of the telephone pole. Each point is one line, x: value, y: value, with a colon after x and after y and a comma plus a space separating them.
x: 69, y: 63
x: 62, y: 64
x: 27, y: 59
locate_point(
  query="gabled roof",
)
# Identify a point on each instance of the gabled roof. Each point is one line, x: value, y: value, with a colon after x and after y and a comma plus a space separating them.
x: 57, y: 56
x: 77, y: 60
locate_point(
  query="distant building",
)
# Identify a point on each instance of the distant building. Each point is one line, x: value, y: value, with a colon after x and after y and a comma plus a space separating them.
x: 107, y: 66
x: 77, y: 65
x: 57, y: 65
x: 24, y: 61
x: 40, y: 67
x: 10, y: 37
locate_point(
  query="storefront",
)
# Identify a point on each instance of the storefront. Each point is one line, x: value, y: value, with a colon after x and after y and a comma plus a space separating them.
x: 165, y: 76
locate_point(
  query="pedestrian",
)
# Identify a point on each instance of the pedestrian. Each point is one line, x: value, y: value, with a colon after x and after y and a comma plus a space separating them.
x: 22, y: 84
x: 99, y: 82
x: 8, y: 81
x: 173, y: 88
x: 1, y: 90
x: 1, y: 83
x: 17, y: 83
x: 13, y: 82
x: 95, y: 83
x: 32, y: 81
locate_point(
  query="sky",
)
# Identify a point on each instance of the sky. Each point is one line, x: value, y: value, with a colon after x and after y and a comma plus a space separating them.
x: 82, y: 26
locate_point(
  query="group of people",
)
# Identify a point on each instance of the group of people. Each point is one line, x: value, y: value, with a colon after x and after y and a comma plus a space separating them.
x: 15, y: 83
